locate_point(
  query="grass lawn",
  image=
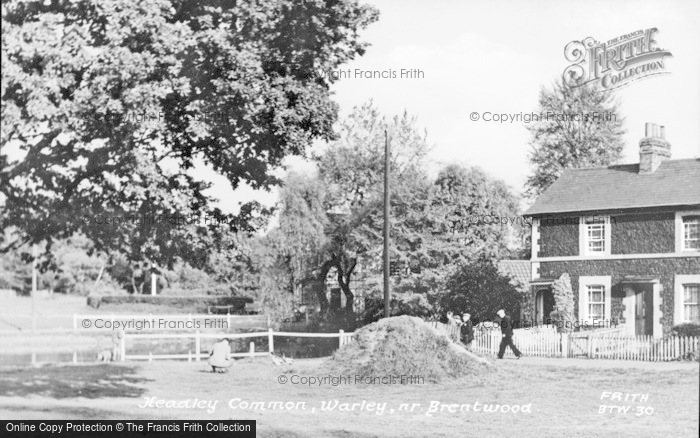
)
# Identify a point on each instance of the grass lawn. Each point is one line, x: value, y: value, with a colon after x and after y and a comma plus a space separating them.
x: 564, y: 399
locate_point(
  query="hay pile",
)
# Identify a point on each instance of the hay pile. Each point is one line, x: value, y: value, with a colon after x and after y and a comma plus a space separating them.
x: 405, y: 345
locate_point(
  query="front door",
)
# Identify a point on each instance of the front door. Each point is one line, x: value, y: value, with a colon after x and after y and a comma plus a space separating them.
x: 643, y: 310
x: 544, y: 306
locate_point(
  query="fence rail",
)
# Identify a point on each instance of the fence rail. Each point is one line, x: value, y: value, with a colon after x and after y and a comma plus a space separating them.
x: 343, y: 338
x: 594, y: 346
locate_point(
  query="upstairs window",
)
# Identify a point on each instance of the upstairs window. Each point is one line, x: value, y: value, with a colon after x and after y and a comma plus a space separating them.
x: 691, y: 233
x: 596, y: 235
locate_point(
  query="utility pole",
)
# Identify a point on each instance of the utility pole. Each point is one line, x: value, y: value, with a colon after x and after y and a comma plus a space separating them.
x: 154, y: 279
x: 387, y: 212
x: 35, y: 285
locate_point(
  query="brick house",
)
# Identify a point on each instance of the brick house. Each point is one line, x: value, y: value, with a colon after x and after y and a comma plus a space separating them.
x: 628, y: 236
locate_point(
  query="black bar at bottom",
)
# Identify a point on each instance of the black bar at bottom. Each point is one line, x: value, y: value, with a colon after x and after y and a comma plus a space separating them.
x: 126, y: 428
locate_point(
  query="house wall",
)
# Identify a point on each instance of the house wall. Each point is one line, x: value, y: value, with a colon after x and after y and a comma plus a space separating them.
x: 642, y: 233
x: 652, y: 233
x: 664, y: 269
x: 558, y: 236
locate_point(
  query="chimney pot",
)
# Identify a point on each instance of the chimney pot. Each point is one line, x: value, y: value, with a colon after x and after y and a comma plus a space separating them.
x: 653, y: 149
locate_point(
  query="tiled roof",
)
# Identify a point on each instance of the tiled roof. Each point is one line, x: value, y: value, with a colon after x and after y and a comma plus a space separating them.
x: 518, y: 270
x: 674, y: 183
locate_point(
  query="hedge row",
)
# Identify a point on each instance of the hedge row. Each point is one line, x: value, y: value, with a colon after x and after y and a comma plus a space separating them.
x: 185, y: 302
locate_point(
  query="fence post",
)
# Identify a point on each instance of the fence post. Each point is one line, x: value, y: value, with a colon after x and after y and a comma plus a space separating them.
x: 189, y: 355
x: 676, y: 349
x: 75, y: 357
x: 122, y: 347
x: 252, y: 350
x: 564, y: 344
x: 197, y: 346
x: 340, y: 338
x: 228, y: 320
x: 150, y: 356
x: 270, y: 341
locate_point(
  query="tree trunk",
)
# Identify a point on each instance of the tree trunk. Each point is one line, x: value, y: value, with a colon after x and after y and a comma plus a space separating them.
x: 320, y: 286
x: 345, y: 271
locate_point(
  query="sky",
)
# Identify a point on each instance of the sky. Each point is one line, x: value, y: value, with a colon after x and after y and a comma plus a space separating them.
x: 494, y: 56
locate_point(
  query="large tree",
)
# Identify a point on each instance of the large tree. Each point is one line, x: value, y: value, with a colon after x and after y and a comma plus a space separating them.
x: 432, y: 222
x: 465, y: 219
x: 577, y: 127
x: 352, y: 170
x: 111, y: 104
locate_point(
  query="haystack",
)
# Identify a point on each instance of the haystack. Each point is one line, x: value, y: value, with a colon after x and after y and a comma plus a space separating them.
x: 406, y: 345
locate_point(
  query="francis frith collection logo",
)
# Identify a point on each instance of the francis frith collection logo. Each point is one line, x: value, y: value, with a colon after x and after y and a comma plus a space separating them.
x: 616, y: 62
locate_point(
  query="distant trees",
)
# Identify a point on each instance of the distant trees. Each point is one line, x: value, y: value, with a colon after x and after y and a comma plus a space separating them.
x: 581, y: 127
x: 332, y: 221
x: 110, y: 105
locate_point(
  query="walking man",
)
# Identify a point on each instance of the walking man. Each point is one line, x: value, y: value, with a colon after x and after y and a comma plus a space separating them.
x: 507, y: 332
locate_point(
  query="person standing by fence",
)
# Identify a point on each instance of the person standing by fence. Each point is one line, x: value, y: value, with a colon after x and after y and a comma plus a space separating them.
x: 507, y: 335
x: 466, y: 331
x: 451, y: 322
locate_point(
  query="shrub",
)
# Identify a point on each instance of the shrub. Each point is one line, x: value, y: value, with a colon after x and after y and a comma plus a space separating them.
x: 563, y: 313
x: 192, y: 303
x: 401, y: 304
x: 686, y: 329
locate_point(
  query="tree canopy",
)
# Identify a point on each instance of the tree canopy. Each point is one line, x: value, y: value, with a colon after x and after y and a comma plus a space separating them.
x: 336, y: 214
x: 112, y: 105
x: 578, y: 127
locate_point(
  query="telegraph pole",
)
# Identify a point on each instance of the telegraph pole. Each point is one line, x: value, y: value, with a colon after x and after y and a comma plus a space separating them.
x: 387, y: 211
x: 35, y: 286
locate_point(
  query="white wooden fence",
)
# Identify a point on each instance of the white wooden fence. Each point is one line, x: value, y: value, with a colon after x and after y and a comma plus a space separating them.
x: 547, y: 343
x: 343, y: 338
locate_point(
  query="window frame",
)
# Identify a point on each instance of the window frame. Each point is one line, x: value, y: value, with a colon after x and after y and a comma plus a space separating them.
x: 696, y: 303
x: 680, y: 231
x: 583, y: 302
x: 684, y: 239
x: 679, y: 296
x: 584, y: 231
x: 601, y: 302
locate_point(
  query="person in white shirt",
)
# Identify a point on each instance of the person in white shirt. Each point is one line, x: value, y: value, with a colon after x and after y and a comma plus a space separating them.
x: 220, y: 356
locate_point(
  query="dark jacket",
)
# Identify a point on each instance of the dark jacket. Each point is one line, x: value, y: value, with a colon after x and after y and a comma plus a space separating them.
x: 466, y: 332
x: 507, y: 326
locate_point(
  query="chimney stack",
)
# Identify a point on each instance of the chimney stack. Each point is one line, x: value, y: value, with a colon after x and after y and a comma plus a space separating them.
x: 653, y: 148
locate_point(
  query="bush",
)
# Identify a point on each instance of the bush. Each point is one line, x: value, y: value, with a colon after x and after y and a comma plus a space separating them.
x: 213, y: 290
x: 686, y: 329
x: 563, y: 313
x: 193, y: 303
x: 401, y: 304
x: 480, y: 289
